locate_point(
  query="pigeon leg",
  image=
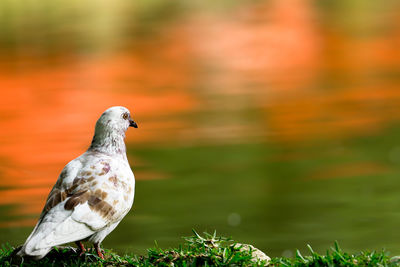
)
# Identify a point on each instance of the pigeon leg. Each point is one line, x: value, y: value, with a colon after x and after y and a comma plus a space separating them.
x: 98, y: 250
x: 81, y: 247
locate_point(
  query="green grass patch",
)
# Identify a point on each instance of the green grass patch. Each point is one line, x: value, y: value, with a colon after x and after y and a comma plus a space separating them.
x: 336, y: 257
x: 197, y: 250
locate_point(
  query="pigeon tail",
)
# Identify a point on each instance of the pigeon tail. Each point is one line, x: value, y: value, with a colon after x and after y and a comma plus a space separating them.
x: 36, y: 254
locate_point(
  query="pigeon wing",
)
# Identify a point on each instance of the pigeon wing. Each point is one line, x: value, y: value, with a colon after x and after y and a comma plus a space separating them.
x: 74, y: 210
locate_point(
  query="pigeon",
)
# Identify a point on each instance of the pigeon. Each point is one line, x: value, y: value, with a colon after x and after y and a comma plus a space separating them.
x: 92, y: 194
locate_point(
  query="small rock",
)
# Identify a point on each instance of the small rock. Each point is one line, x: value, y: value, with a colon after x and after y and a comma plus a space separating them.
x: 257, y: 254
x: 395, y: 260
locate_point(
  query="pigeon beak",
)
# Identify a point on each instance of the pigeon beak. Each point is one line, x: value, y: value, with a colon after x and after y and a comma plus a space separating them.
x: 132, y: 123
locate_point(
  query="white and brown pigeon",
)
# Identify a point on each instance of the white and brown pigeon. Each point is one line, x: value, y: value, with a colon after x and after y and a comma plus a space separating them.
x: 92, y: 194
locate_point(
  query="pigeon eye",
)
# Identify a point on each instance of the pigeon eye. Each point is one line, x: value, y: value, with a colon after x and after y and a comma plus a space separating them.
x: 125, y: 116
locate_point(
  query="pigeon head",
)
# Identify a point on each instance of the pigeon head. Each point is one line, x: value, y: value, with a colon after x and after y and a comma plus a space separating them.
x: 115, y: 119
x: 110, y: 131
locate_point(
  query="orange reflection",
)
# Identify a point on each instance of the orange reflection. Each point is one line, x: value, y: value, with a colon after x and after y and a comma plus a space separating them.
x: 48, y: 115
x: 350, y: 170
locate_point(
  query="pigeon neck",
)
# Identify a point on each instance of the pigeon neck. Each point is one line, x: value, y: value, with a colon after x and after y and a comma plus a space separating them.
x: 109, y: 142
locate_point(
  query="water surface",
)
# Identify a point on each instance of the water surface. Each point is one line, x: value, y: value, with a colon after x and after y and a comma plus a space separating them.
x: 273, y: 122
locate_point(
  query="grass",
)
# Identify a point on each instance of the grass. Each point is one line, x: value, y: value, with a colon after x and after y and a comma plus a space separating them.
x: 197, y: 250
x: 336, y: 257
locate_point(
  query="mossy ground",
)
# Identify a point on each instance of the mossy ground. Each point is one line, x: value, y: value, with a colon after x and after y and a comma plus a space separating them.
x: 197, y: 250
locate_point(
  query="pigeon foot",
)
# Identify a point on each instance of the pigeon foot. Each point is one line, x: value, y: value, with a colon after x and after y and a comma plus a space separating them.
x: 81, y: 248
x: 98, y: 250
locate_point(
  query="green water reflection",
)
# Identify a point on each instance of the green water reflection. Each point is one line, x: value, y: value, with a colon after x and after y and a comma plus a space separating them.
x: 279, y: 204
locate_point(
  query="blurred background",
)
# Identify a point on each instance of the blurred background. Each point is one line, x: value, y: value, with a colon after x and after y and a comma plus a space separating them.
x: 274, y: 122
